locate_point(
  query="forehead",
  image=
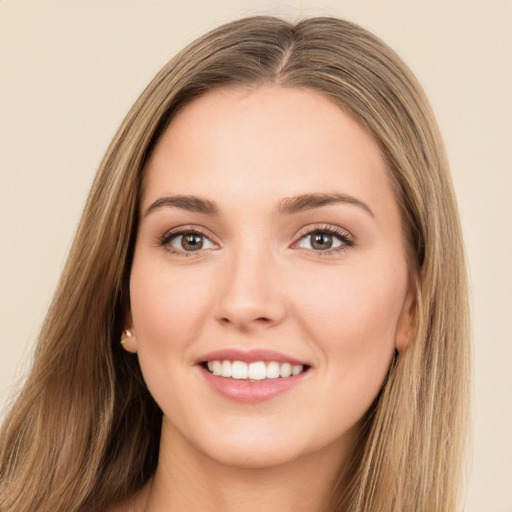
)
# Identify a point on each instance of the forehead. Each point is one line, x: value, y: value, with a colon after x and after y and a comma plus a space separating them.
x: 264, y: 143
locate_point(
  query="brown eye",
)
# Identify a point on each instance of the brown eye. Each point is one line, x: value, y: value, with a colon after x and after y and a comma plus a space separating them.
x: 190, y: 242
x: 323, y: 240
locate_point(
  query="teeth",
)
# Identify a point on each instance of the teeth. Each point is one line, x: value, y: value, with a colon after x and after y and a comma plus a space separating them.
x: 254, y: 371
x: 216, y: 370
x: 257, y: 371
x: 239, y: 370
x: 296, y: 369
x: 272, y: 370
x: 285, y: 370
x: 226, y: 369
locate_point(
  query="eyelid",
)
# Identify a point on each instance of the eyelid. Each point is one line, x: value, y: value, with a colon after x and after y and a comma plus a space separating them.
x: 345, y: 236
x: 165, y: 239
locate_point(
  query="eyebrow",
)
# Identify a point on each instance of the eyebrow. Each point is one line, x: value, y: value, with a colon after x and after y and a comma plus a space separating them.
x: 291, y: 205
x: 190, y: 203
x: 287, y: 206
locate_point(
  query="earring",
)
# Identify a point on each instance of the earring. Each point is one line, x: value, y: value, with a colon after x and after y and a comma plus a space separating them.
x: 128, y: 334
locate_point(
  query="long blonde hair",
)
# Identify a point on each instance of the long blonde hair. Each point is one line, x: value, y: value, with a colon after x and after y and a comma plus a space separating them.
x: 84, y: 431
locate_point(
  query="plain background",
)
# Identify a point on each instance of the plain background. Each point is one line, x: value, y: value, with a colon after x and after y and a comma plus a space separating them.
x: 69, y: 71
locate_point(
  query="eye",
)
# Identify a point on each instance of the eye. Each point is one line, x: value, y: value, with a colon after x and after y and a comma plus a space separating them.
x: 190, y: 242
x: 186, y: 241
x: 325, y: 239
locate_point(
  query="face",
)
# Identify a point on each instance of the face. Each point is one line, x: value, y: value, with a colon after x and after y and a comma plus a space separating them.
x: 269, y: 287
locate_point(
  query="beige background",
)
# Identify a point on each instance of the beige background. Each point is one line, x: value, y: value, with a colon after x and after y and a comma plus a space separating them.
x: 69, y: 71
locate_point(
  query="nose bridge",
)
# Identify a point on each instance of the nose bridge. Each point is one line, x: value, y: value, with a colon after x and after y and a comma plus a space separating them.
x: 250, y: 293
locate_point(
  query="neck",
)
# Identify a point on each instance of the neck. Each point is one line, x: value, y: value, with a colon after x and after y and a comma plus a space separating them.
x: 188, y: 480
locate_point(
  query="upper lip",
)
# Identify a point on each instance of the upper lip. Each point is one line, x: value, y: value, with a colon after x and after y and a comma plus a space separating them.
x: 249, y: 356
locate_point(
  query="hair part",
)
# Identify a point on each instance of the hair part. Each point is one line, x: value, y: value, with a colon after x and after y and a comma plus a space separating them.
x: 84, y: 431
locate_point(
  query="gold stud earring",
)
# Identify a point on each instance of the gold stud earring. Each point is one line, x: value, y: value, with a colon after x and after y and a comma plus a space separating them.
x: 128, y: 335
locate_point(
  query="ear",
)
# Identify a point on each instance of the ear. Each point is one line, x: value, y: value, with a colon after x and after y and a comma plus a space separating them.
x: 406, y: 326
x: 128, y: 337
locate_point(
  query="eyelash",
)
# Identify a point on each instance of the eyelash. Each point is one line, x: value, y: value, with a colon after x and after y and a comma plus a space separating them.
x: 343, y: 236
x: 169, y: 236
x: 347, y: 240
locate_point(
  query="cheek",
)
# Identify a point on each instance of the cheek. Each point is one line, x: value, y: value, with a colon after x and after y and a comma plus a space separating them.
x: 353, y: 323
x: 169, y: 309
x: 166, y: 303
x: 350, y: 302
x: 352, y: 319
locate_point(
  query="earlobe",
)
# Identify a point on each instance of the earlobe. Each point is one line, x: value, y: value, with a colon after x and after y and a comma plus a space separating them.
x: 407, y: 322
x: 128, y: 341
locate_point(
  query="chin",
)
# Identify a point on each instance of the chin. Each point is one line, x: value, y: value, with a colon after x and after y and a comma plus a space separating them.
x: 254, y: 455
x: 261, y: 445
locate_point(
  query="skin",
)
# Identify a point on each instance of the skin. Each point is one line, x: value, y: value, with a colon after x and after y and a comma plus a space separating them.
x: 259, y: 283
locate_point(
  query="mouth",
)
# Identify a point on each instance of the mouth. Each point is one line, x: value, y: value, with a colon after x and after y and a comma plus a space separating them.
x: 252, y: 376
x: 256, y: 371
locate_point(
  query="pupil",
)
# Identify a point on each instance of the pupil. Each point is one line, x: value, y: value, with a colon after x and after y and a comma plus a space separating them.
x: 321, y: 241
x: 192, y: 242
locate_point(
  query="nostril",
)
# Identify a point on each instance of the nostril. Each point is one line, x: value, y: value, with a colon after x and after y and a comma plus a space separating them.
x: 262, y: 320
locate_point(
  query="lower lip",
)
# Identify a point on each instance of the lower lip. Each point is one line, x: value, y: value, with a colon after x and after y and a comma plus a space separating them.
x: 251, y: 392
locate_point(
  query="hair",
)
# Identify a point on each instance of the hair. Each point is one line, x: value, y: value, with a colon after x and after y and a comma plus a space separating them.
x: 84, y: 430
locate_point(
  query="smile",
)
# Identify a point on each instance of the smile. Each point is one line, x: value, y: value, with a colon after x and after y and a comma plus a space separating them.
x: 255, y: 371
x: 252, y: 376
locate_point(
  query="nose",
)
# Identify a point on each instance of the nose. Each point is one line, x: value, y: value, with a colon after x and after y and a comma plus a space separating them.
x: 251, y: 295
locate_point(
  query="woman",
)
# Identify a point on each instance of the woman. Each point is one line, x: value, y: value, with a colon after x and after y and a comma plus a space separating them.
x: 265, y: 304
